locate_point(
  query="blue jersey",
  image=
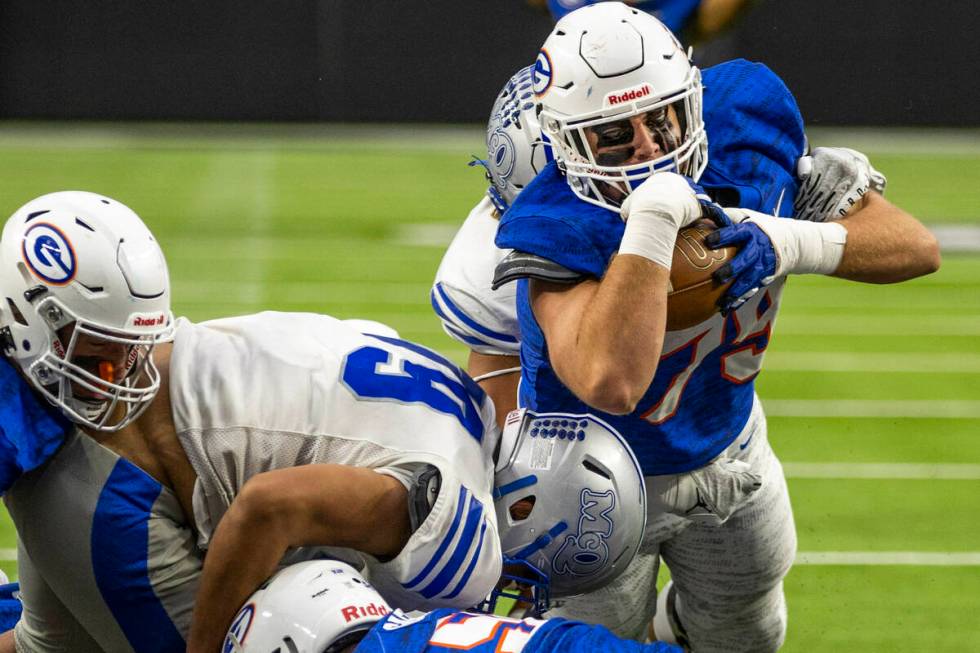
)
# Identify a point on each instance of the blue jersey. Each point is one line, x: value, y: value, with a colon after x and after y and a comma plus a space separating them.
x: 31, y: 430
x: 703, y: 391
x: 675, y: 14
x: 448, y: 630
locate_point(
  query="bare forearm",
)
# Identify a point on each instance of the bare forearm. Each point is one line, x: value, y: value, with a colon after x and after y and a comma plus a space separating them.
x: 239, y: 560
x: 326, y: 505
x: 605, y: 342
x: 886, y: 245
x: 623, y: 329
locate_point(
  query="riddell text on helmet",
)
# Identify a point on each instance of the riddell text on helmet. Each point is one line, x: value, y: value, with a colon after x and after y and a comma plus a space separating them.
x: 352, y: 612
x: 628, y: 96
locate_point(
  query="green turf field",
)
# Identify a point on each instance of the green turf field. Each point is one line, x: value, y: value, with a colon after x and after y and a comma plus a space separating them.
x: 874, y: 392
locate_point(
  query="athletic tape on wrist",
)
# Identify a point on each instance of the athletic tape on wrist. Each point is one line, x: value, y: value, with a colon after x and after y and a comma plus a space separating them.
x: 652, y: 236
x: 804, y: 247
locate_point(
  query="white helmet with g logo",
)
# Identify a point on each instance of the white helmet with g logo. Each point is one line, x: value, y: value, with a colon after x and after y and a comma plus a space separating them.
x: 602, y: 65
x: 77, y: 267
x: 320, y: 606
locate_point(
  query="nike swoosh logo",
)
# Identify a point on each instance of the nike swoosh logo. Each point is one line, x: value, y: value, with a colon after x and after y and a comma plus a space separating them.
x: 742, y: 446
x: 779, y: 202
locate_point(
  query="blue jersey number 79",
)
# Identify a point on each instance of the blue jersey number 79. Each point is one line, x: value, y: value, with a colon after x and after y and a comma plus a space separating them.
x: 443, y: 388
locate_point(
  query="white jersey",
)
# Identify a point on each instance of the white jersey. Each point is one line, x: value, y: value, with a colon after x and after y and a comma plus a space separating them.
x: 108, y: 560
x: 275, y: 390
x: 484, y: 320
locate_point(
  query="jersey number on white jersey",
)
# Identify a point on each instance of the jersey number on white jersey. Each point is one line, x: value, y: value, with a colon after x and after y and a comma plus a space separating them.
x: 389, y: 373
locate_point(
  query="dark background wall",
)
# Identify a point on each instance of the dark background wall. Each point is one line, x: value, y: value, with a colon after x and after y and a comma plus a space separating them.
x: 871, y: 62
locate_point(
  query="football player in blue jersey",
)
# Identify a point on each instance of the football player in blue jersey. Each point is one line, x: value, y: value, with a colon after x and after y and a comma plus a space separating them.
x: 593, y: 236
x: 325, y: 606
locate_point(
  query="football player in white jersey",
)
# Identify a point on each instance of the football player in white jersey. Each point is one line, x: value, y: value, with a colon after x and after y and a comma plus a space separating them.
x: 247, y: 436
x: 485, y: 320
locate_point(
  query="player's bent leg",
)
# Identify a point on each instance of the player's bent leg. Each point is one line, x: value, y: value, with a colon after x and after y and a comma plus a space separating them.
x: 728, y: 579
x: 624, y: 606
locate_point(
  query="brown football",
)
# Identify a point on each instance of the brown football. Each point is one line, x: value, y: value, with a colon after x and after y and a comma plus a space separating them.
x: 693, y: 295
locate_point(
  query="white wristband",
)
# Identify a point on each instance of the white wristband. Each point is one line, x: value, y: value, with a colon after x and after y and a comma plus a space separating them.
x: 651, y: 237
x: 654, y: 212
x: 804, y: 247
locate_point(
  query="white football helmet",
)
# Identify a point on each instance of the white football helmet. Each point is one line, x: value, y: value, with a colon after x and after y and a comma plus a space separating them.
x: 319, y: 606
x: 516, y: 151
x: 84, y: 298
x: 571, y: 502
x: 602, y: 65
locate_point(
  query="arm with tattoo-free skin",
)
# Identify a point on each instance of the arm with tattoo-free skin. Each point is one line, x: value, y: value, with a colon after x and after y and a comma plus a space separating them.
x: 605, y: 337
x: 885, y: 244
x: 326, y: 505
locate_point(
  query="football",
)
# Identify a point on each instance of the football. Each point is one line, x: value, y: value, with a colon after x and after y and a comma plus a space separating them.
x: 693, y: 294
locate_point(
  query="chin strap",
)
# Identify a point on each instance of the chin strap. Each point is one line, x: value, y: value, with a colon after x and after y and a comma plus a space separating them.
x: 494, y: 374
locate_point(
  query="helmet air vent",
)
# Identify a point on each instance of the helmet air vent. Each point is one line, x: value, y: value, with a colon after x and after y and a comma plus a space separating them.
x: 15, y: 312
x: 31, y: 216
x: 595, y: 469
x: 81, y: 223
x: 521, y: 509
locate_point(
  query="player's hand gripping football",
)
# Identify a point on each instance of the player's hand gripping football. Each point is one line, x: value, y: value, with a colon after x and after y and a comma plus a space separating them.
x: 654, y: 212
x: 659, y: 207
x: 755, y: 264
x: 833, y: 181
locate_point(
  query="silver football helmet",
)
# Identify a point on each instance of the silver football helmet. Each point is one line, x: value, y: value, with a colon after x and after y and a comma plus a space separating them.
x: 604, y: 70
x: 516, y: 151
x: 570, y: 500
x: 319, y: 606
x: 84, y: 298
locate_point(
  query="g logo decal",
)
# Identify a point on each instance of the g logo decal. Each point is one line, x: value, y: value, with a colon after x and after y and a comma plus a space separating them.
x: 542, y: 74
x: 239, y: 628
x: 48, y: 254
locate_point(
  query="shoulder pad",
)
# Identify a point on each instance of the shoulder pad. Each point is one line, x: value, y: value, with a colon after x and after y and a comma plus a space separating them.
x: 519, y: 265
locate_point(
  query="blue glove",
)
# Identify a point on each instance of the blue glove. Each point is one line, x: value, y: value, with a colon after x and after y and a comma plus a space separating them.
x: 10, y: 606
x: 713, y: 212
x: 752, y: 268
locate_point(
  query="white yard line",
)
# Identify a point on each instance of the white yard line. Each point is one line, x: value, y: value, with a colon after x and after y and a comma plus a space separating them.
x: 872, y: 362
x: 845, y: 323
x: 942, y: 408
x: 911, y: 558
x: 886, y: 471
